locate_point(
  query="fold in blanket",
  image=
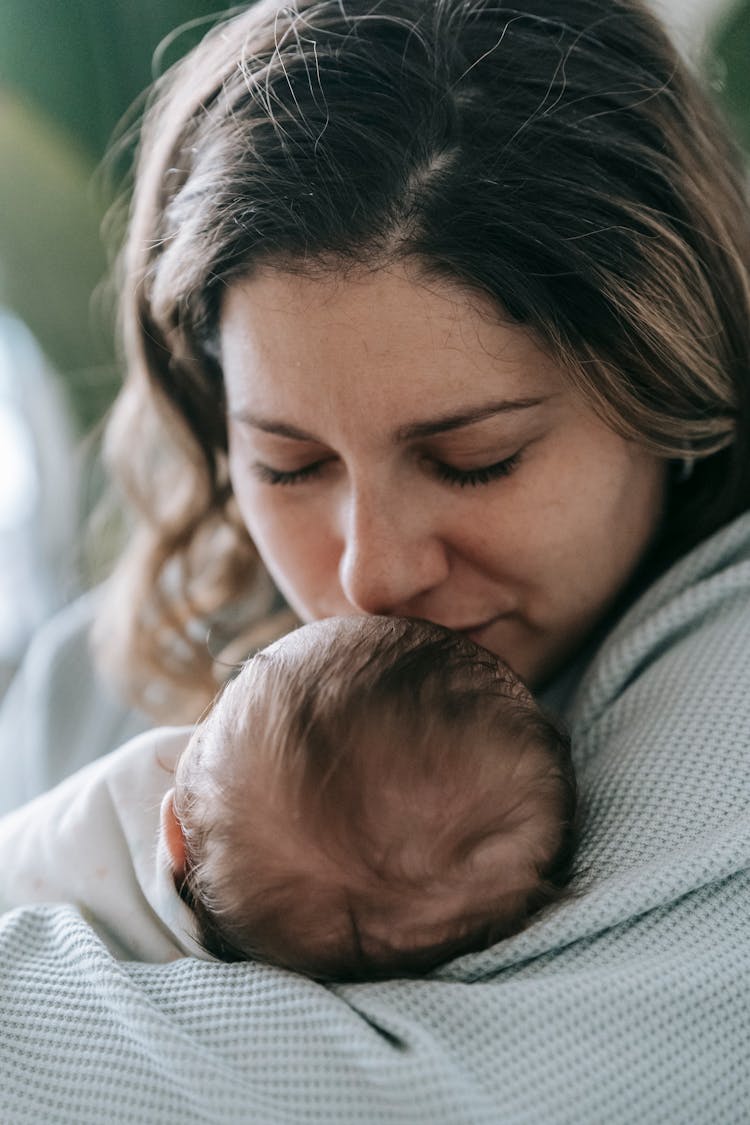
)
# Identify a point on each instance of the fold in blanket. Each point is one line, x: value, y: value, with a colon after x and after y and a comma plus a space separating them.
x: 627, y: 1003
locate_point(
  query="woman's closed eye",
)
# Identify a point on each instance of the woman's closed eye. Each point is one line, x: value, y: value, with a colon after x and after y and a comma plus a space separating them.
x: 448, y: 474
x: 481, y: 474
x: 266, y: 474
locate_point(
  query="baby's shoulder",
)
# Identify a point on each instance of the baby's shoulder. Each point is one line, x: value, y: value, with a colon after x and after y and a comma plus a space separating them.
x: 144, y: 766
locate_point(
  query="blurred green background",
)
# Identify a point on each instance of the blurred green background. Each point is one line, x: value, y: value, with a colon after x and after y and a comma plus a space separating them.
x: 731, y: 61
x: 68, y: 73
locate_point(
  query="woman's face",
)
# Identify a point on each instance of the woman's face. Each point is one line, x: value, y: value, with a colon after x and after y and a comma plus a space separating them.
x: 395, y: 449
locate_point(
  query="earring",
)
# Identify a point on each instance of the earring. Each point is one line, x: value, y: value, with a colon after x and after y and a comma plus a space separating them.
x: 684, y: 468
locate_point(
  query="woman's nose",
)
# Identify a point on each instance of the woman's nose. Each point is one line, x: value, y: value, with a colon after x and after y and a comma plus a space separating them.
x: 392, y: 553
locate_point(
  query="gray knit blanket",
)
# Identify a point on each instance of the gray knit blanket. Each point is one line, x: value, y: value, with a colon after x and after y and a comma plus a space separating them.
x: 628, y: 1003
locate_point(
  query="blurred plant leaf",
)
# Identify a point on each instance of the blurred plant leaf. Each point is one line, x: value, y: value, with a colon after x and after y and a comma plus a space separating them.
x: 51, y: 256
x: 83, y: 62
x: 68, y: 74
x: 732, y: 50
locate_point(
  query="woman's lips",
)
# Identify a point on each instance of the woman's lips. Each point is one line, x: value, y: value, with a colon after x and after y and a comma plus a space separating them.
x: 478, y: 632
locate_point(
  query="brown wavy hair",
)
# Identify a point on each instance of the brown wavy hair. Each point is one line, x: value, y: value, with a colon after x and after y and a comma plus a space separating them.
x: 559, y: 157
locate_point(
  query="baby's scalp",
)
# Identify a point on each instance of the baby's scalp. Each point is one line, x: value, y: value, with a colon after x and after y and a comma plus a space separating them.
x: 375, y: 772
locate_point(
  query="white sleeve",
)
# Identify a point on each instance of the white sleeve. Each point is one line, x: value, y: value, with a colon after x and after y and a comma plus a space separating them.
x: 58, y: 715
x: 92, y: 842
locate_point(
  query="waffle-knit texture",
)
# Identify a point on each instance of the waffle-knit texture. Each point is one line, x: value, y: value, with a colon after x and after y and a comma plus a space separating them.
x: 628, y: 1003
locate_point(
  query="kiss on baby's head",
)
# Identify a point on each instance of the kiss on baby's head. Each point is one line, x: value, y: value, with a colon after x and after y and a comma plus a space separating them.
x: 369, y: 797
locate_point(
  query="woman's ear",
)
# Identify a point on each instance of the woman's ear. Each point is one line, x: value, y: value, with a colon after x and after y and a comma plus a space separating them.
x: 171, y: 831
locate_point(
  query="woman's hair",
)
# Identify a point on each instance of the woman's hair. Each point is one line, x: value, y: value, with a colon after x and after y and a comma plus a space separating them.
x: 373, y: 795
x: 559, y: 157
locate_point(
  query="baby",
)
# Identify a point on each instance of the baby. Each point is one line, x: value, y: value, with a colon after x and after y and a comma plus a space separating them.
x: 369, y: 797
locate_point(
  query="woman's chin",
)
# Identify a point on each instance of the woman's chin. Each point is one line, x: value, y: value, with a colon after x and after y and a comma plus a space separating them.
x: 536, y: 657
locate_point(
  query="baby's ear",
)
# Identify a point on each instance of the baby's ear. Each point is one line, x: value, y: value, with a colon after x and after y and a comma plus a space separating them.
x: 171, y: 831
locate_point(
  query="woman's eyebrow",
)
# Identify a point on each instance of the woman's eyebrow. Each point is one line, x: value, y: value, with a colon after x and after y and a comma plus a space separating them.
x: 271, y: 426
x: 455, y: 421
x: 427, y: 428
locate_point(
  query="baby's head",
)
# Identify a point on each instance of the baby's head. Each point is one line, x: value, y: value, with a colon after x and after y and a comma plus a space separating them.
x: 369, y: 797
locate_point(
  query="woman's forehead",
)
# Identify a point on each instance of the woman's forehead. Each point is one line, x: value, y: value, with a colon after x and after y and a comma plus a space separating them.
x: 428, y: 346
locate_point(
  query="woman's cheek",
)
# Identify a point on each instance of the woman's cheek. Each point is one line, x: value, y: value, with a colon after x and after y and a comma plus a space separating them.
x: 297, y: 548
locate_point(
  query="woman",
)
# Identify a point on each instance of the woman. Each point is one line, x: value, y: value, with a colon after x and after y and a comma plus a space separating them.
x: 439, y: 309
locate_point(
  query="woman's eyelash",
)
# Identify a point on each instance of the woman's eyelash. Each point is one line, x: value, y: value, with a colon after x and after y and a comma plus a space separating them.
x: 294, y: 476
x: 464, y: 478
x: 472, y: 477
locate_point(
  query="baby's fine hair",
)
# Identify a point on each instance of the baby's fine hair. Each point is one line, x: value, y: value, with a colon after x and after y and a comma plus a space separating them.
x: 372, y: 796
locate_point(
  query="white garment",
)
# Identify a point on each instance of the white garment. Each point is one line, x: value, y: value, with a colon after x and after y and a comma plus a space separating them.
x: 93, y: 841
